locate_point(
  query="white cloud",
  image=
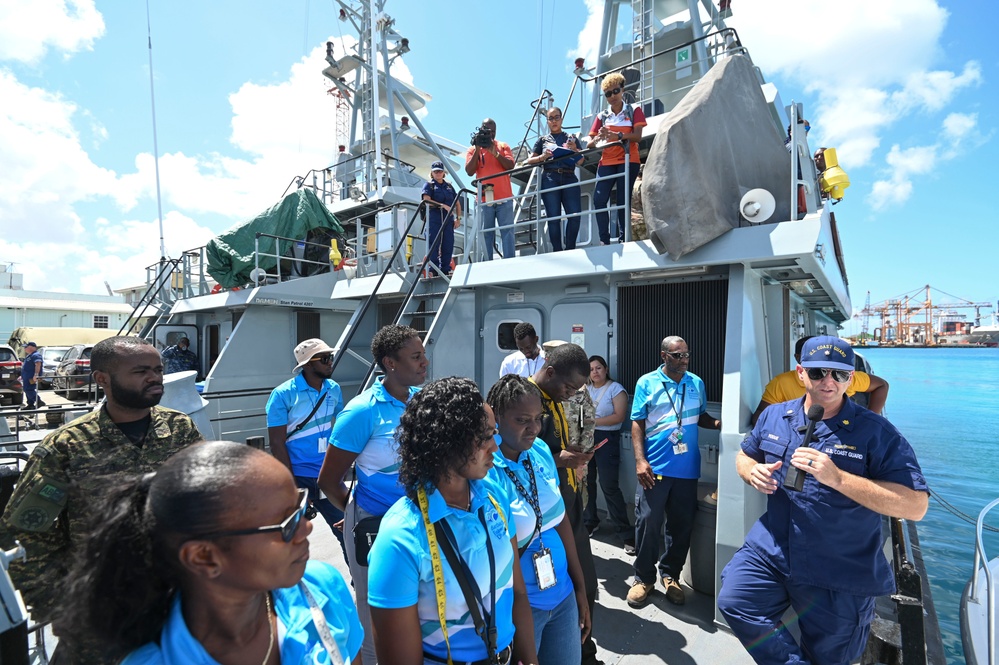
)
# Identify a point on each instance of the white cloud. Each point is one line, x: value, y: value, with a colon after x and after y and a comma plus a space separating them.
x: 29, y: 28
x: 588, y: 45
x: 903, y: 165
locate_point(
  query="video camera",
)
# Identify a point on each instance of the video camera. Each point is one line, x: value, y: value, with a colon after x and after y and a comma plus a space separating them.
x: 482, y: 137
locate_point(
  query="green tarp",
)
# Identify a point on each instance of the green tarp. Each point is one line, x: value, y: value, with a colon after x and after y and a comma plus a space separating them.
x: 300, y: 215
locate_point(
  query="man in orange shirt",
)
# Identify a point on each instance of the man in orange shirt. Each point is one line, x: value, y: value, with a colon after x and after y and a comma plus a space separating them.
x: 495, y: 203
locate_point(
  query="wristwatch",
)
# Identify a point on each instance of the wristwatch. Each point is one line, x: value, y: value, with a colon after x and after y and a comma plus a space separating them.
x: 620, y: 136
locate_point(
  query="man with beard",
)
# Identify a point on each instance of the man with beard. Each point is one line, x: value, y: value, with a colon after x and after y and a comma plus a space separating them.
x: 48, y: 512
x: 300, y: 416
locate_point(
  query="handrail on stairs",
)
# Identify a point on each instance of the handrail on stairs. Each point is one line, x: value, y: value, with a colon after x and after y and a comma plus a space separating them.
x: 166, y: 269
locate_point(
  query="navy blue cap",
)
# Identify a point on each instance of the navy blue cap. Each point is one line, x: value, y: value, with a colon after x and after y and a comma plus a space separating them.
x: 437, y: 166
x: 827, y: 351
x: 27, y: 344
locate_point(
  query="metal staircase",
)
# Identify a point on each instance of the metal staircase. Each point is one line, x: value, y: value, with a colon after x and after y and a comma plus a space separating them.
x: 153, y: 308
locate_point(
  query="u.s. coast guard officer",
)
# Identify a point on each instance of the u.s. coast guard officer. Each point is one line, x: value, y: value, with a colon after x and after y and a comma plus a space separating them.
x: 819, y: 549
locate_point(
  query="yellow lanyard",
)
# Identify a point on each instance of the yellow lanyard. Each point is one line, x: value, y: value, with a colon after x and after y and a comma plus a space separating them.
x: 561, y: 429
x: 435, y: 561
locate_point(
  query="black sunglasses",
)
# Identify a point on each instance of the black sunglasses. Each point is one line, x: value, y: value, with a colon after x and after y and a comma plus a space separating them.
x: 325, y: 358
x: 819, y: 373
x: 554, y: 117
x: 610, y: 93
x: 678, y: 356
x: 287, y: 527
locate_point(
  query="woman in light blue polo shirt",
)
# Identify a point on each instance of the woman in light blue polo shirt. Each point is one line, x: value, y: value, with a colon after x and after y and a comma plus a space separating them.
x: 364, y: 436
x: 207, y: 561
x: 546, y: 544
x: 446, y: 448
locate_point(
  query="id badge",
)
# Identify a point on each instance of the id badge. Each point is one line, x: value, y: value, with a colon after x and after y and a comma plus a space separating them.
x: 679, y: 448
x: 323, y: 444
x: 544, y: 569
x: 675, y: 436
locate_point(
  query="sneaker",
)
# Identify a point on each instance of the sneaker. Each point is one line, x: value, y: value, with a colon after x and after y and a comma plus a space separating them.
x: 674, y: 593
x: 629, y: 548
x: 638, y: 595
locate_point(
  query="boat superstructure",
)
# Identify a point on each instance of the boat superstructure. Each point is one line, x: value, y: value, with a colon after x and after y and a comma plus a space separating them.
x: 739, y: 299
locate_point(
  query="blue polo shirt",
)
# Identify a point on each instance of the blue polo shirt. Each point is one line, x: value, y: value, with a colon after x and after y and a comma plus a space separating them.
x: 300, y: 641
x: 400, y: 572
x: 28, y: 366
x: 818, y: 536
x: 367, y: 427
x: 290, y: 404
x: 525, y: 521
x: 657, y: 400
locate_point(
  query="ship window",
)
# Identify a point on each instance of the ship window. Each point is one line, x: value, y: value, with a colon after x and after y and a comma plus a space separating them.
x: 504, y: 336
x: 307, y: 326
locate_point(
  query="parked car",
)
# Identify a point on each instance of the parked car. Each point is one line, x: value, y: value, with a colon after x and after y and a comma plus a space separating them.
x: 72, y: 375
x: 11, y: 390
x: 51, y: 357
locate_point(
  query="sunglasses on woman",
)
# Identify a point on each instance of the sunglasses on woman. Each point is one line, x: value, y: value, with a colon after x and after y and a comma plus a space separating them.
x: 819, y: 373
x: 287, y: 527
x: 610, y: 93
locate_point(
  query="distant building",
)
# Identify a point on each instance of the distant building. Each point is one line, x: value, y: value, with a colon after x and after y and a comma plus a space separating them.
x: 21, y: 308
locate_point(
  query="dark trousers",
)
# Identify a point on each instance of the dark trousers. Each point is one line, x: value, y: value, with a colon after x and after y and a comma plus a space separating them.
x: 574, y: 509
x: 440, y: 248
x: 676, y: 500
x: 605, y: 467
x: 330, y: 513
x: 555, y: 201
x: 754, y: 596
x: 602, y: 192
x: 31, y: 395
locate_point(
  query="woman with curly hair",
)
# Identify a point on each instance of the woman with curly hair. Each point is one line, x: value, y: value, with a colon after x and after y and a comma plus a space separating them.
x: 452, y: 519
x: 364, y: 436
x: 207, y: 561
x: 552, y: 575
x: 618, y: 126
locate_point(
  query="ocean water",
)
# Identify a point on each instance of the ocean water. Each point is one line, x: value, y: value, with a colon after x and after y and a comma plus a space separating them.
x: 946, y: 403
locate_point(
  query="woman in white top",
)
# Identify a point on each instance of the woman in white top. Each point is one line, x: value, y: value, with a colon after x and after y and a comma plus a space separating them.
x: 611, y: 402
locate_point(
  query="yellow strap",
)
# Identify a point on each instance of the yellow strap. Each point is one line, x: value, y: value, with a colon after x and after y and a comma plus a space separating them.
x: 562, y: 429
x: 435, y: 562
x: 500, y: 511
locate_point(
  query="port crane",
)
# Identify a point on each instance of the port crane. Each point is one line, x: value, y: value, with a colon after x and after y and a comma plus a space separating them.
x: 913, y: 318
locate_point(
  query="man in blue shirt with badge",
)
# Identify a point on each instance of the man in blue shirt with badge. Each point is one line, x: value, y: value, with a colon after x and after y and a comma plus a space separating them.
x: 300, y: 415
x: 818, y: 549
x: 668, y: 408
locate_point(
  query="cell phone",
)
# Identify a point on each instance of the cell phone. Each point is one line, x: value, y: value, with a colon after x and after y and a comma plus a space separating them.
x: 597, y: 447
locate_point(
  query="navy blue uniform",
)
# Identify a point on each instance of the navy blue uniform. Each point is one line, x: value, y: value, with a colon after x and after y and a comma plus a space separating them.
x: 27, y: 374
x: 440, y: 244
x: 815, y: 550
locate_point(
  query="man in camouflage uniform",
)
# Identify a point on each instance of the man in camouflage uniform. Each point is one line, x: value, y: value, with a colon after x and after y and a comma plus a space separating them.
x: 565, y: 371
x: 48, y: 512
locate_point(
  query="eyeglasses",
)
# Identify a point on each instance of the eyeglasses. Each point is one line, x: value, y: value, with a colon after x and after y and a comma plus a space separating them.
x: 553, y: 118
x: 819, y: 373
x: 287, y: 527
x: 610, y: 93
x: 678, y: 356
x: 326, y: 358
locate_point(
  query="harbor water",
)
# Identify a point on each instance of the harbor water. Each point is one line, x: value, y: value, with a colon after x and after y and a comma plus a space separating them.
x: 946, y: 403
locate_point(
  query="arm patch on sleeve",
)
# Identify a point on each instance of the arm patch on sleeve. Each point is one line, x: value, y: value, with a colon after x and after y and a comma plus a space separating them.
x: 38, y: 508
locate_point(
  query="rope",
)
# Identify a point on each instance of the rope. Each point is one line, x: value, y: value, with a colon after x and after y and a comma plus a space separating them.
x: 960, y: 515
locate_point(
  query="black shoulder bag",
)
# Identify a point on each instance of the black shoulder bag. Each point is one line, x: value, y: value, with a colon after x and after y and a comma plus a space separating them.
x: 485, y: 628
x: 298, y: 428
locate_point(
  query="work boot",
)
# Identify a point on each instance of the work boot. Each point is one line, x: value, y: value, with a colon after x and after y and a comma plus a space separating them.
x: 638, y: 595
x: 674, y: 593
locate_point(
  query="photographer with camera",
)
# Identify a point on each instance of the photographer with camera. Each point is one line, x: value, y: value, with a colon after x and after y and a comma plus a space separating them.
x: 300, y: 415
x: 485, y: 158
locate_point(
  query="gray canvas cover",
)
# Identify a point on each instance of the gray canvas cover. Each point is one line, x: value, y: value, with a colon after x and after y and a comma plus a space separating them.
x: 717, y: 144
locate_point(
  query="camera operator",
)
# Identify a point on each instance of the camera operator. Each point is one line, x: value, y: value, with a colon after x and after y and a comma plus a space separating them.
x: 484, y: 158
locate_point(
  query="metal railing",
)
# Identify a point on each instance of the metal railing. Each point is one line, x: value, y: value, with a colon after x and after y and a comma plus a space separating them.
x: 982, y: 560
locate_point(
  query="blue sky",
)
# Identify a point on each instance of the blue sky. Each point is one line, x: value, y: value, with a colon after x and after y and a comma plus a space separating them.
x: 905, y: 89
